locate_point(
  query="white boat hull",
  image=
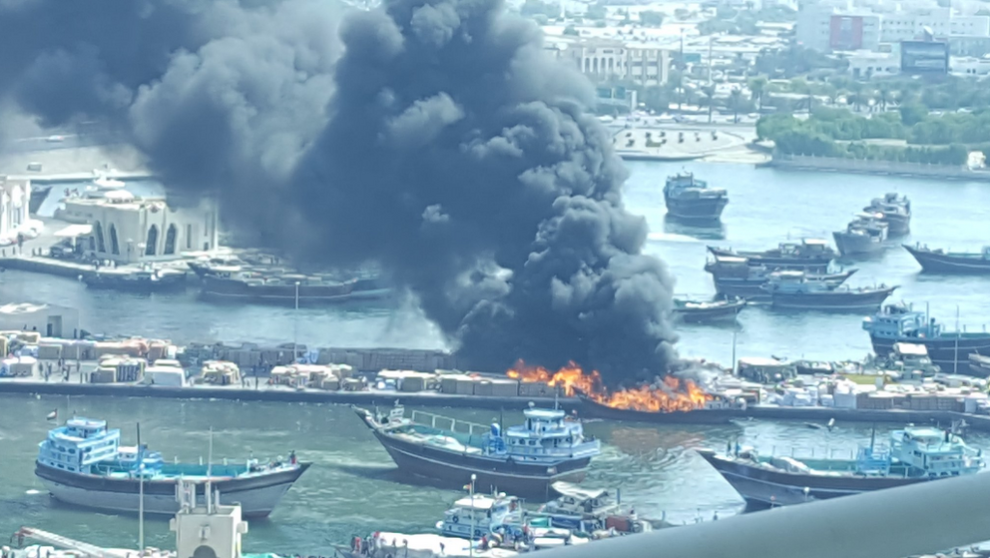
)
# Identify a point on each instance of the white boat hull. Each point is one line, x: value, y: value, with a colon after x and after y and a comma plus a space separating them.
x: 254, y: 502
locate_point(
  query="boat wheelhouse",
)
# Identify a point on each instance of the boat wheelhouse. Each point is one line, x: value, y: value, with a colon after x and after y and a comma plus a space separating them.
x: 950, y: 350
x: 478, y: 515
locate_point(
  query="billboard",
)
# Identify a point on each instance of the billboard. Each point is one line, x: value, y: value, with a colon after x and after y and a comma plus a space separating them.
x: 845, y: 32
x: 924, y: 57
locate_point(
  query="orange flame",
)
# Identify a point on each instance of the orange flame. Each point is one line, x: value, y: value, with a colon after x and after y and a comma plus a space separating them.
x: 674, y: 395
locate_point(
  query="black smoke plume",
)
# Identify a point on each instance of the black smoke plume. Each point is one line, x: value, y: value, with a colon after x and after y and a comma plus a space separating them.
x: 222, y: 96
x: 443, y: 145
x: 466, y: 161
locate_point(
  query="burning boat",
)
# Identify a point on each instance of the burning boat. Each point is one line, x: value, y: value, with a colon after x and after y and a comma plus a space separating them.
x: 524, y: 460
x: 669, y: 400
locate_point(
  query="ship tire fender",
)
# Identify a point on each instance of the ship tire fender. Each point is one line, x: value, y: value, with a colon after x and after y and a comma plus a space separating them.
x: 455, y: 519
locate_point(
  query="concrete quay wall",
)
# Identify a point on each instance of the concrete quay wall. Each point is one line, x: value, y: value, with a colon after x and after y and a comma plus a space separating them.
x: 819, y: 415
x: 877, y: 167
x: 283, y: 395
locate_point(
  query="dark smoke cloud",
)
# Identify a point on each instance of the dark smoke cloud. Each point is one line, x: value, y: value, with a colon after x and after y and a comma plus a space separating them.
x: 222, y: 96
x: 463, y: 159
x: 443, y: 145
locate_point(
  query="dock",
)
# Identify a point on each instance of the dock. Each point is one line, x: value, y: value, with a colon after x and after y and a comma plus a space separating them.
x: 49, y: 266
x: 67, y: 177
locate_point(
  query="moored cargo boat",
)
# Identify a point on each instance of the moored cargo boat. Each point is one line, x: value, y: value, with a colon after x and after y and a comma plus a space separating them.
x: 789, y: 290
x: 82, y: 463
x: 735, y: 276
x: 525, y: 460
x: 940, y: 261
x: 690, y: 199
x: 895, y: 210
x: 914, y: 454
x: 950, y: 350
x: 140, y: 281
x: 693, y: 311
x: 808, y: 253
x: 865, y: 234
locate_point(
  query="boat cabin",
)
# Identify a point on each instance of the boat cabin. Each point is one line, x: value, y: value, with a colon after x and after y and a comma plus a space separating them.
x: 684, y: 180
x: 807, y: 247
x: 581, y: 502
x: 912, y: 361
x: 765, y: 370
x: 479, y: 515
x: 548, y: 435
x: 934, y: 453
x: 897, y: 321
x: 79, y: 445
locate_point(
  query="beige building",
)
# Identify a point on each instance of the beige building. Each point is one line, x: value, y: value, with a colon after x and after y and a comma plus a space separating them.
x: 126, y: 229
x: 15, y: 195
x: 605, y: 61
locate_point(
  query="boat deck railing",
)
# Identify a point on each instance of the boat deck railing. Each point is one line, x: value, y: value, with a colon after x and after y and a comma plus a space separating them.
x: 439, y: 421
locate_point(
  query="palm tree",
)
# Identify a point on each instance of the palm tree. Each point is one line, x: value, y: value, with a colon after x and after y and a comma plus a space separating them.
x: 757, y: 86
x: 833, y: 94
x: 884, y: 95
x: 709, y: 92
x: 675, y: 81
x: 735, y: 100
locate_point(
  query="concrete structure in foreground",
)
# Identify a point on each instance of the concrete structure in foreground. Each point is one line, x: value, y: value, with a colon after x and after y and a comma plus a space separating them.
x: 920, y: 519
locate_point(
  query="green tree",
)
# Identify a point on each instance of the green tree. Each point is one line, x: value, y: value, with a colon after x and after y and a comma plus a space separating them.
x: 913, y: 113
x: 538, y: 7
x: 596, y: 12
x: 757, y: 87
x: 735, y: 103
x: 651, y: 18
x: 709, y: 92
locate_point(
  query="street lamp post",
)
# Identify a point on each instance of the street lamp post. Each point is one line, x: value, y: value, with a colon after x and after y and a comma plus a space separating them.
x: 474, y: 477
x: 295, y: 328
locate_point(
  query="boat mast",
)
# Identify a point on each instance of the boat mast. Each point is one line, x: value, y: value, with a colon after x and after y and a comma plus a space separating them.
x: 735, y: 372
x: 209, y: 476
x: 955, y: 356
x: 140, y: 456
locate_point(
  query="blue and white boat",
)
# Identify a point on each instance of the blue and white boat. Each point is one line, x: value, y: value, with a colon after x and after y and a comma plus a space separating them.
x: 549, y: 447
x: 900, y: 323
x: 479, y: 515
x: 83, y: 463
x: 914, y: 454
